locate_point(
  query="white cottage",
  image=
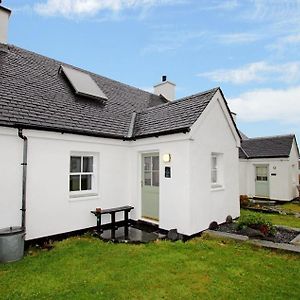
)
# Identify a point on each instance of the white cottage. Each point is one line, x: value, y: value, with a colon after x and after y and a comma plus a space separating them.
x: 269, y: 167
x: 72, y: 141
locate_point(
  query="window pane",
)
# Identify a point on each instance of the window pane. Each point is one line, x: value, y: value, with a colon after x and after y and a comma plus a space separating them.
x: 147, y: 163
x: 75, y: 164
x: 155, y: 163
x: 261, y: 171
x: 74, y: 183
x: 86, y: 182
x: 261, y: 178
x: 213, y: 162
x: 147, y: 178
x: 87, y: 164
x: 214, y: 176
x: 155, y: 178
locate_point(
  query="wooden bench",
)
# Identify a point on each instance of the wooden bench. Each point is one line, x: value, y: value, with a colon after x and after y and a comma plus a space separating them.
x: 112, y: 211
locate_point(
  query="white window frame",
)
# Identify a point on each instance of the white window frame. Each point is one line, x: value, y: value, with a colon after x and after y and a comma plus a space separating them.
x: 218, y: 169
x: 94, y: 190
x: 151, y: 171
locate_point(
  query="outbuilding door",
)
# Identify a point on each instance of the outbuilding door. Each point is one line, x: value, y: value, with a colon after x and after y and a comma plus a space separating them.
x: 262, y: 181
x: 150, y: 186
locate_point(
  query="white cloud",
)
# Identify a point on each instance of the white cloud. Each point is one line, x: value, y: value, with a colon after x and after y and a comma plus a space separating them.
x: 69, y: 8
x: 285, y: 42
x: 220, y: 5
x: 257, y: 72
x: 281, y: 105
x: 168, y: 40
x: 238, y: 38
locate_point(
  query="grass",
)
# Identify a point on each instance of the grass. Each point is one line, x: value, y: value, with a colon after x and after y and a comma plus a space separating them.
x: 291, y: 207
x: 286, y: 220
x: 86, y: 268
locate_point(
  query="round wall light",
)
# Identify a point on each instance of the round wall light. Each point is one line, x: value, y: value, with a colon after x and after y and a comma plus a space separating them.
x: 167, y: 157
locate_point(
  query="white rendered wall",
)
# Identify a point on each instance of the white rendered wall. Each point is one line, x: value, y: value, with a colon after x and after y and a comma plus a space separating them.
x: 243, y: 177
x: 213, y: 135
x: 174, y: 191
x: 10, y: 178
x: 294, y: 172
x: 282, y: 186
x: 50, y: 210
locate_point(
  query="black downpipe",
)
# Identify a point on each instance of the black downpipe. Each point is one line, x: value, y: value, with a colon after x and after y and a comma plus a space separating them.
x: 24, y: 177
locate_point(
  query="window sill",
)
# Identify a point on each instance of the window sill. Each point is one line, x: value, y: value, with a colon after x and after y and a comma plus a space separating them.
x: 217, y: 187
x: 82, y: 197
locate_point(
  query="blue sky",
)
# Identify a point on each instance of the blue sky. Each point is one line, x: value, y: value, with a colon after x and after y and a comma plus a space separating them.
x: 250, y: 48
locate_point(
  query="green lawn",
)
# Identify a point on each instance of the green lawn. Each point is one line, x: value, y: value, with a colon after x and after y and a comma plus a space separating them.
x: 291, y: 207
x: 86, y: 268
x: 286, y: 220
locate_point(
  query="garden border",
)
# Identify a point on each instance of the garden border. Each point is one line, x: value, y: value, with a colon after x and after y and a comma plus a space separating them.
x: 260, y: 243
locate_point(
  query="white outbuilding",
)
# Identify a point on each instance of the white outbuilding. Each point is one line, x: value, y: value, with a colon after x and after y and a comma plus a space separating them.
x: 269, y: 167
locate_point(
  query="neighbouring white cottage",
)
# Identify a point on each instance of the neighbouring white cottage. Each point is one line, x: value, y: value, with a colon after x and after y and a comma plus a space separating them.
x: 269, y: 167
x: 87, y: 141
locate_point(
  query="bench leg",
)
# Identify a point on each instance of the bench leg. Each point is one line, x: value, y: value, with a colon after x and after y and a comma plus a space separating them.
x: 126, y: 232
x: 126, y: 219
x: 99, y: 229
x: 113, y: 220
x: 113, y: 233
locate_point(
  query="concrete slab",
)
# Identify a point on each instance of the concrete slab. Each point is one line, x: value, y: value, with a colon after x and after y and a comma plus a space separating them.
x: 128, y: 235
x: 296, y: 240
x: 278, y: 246
x: 219, y: 234
x: 295, y: 248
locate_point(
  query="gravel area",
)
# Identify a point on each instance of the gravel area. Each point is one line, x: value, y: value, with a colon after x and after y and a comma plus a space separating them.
x: 281, y: 236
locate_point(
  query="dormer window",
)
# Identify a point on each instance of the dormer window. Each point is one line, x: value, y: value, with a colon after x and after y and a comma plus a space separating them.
x: 83, y: 84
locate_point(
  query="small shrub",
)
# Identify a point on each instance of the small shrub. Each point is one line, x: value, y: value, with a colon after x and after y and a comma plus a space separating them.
x: 256, y: 221
x: 244, y: 201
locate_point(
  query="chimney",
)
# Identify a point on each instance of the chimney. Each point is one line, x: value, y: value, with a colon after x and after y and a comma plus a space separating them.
x: 165, y: 88
x: 4, y: 16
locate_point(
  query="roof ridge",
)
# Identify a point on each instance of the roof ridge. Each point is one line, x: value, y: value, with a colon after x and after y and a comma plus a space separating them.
x: 180, y: 100
x: 197, y: 94
x: 271, y: 137
x: 80, y: 69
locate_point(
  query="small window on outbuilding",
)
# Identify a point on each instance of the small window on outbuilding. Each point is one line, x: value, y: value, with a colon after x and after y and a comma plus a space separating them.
x: 83, y: 83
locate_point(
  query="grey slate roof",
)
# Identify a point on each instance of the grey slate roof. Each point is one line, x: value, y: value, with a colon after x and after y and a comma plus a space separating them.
x: 175, y: 115
x: 33, y: 94
x: 264, y: 147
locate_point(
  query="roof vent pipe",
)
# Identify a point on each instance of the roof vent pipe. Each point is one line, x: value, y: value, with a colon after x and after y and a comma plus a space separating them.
x: 4, y: 18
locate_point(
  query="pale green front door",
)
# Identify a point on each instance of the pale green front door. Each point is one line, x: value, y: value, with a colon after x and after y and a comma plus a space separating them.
x: 262, y: 181
x: 150, y: 186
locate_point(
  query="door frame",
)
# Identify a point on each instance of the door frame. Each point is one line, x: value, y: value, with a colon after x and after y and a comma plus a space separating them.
x: 268, y: 170
x: 140, y: 182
